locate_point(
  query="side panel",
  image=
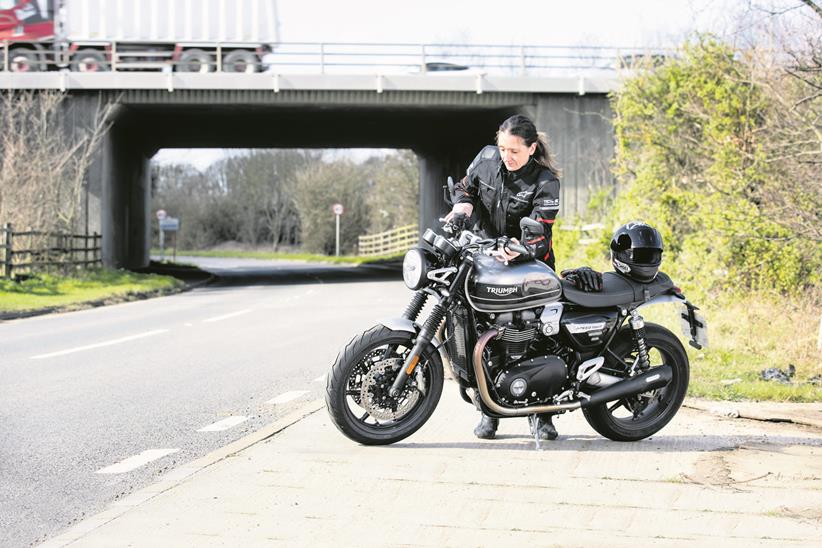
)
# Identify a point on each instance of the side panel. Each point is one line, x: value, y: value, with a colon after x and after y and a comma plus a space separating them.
x: 589, y: 330
x: 171, y: 20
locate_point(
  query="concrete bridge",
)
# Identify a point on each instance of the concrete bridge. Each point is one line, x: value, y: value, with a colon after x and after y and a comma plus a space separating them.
x: 445, y: 119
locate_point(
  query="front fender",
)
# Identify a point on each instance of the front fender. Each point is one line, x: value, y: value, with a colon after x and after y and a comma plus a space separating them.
x: 404, y: 324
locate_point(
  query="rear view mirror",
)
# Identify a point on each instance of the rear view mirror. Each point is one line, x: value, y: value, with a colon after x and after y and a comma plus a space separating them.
x: 448, y: 192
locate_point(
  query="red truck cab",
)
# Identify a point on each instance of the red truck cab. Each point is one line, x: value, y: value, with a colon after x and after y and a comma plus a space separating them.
x: 23, y: 25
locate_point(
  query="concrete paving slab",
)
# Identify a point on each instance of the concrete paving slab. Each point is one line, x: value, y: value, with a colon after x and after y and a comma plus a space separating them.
x: 704, y: 480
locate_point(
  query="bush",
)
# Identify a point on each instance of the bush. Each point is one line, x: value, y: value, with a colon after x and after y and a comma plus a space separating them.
x: 694, y: 159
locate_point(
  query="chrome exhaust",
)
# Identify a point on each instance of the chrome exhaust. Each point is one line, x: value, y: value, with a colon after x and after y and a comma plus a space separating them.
x: 485, y: 395
x: 613, y: 387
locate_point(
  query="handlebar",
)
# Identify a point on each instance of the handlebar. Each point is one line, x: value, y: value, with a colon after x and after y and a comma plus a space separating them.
x: 518, y: 248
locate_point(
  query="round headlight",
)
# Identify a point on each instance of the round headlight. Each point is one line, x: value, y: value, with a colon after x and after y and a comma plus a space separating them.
x: 414, y: 268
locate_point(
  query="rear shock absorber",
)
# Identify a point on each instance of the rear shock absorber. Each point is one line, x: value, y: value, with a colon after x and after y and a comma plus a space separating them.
x: 412, y: 311
x: 638, y: 327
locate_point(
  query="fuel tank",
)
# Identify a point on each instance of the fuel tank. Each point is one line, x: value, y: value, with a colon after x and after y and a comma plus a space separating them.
x: 496, y: 287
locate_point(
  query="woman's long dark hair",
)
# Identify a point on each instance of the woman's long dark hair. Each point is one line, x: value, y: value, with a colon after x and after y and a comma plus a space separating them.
x: 523, y: 127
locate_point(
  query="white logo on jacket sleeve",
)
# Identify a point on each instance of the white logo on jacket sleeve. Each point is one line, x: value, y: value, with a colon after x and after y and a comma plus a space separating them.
x: 551, y: 202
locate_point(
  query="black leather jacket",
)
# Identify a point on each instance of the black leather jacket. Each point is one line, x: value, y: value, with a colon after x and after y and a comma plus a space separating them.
x: 508, y: 196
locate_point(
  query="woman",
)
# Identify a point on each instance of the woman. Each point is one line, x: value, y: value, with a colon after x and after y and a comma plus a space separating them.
x: 515, y: 179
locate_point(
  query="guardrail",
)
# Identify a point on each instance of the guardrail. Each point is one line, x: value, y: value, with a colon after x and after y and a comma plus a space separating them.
x: 390, y: 242
x: 41, y: 250
x: 329, y: 58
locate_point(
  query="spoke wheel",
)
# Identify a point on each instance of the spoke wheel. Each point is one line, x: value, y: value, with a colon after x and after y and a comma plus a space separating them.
x: 637, y: 417
x: 357, y: 393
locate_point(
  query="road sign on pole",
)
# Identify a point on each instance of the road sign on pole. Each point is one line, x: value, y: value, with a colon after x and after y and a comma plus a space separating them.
x: 338, y: 210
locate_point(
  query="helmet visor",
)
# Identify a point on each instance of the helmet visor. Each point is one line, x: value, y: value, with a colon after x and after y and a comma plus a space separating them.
x: 645, y: 236
x: 645, y: 255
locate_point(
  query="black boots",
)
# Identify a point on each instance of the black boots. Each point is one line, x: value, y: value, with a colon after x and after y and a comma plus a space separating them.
x: 487, y: 428
x: 542, y: 426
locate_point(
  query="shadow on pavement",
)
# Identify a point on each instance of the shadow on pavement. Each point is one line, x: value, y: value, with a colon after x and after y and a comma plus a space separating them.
x: 285, y: 273
x: 305, y: 274
x: 655, y: 444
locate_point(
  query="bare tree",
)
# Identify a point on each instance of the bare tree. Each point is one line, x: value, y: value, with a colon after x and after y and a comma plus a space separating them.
x: 42, y: 170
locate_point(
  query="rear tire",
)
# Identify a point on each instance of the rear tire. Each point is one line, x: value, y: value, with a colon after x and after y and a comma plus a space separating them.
x: 25, y: 60
x: 351, y: 368
x: 89, y: 60
x: 195, y: 60
x: 656, y: 408
x: 241, y: 60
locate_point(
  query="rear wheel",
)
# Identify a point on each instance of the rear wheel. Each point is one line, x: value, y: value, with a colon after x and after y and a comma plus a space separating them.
x: 89, y: 60
x: 240, y: 60
x: 195, y: 60
x: 24, y: 60
x: 637, y: 417
x: 357, y: 392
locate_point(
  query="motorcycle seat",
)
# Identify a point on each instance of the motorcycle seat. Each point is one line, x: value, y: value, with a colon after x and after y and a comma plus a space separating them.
x: 617, y: 290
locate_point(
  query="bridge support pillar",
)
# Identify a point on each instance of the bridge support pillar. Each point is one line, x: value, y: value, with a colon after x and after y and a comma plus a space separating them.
x: 126, y: 199
x: 434, y: 171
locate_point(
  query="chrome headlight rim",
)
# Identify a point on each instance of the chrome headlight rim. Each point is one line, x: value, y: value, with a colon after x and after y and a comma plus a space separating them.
x: 414, y: 268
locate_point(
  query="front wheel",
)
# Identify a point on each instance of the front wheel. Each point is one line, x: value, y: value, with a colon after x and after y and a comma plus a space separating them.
x: 637, y: 417
x: 357, y: 393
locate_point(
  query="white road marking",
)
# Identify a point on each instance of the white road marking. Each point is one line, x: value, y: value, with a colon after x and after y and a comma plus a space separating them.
x: 321, y: 378
x: 227, y: 316
x: 99, y: 345
x: 224, y: 424
x: 136, y: 461
x: 287, y: 397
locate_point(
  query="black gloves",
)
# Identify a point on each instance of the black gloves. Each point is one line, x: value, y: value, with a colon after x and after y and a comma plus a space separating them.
x: 584, y: 278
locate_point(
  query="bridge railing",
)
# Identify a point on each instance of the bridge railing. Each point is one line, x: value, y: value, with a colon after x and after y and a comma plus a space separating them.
x: 333, y: 58
x: 390, y: 242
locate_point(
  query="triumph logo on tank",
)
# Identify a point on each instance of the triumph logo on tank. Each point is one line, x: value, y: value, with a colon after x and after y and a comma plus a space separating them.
x: 503, y: 291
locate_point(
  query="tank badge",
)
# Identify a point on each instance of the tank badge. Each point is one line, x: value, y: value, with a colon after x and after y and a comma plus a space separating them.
x: 502, y: 290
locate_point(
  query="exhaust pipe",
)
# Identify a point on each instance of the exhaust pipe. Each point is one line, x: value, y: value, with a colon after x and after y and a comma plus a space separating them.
x: 650, y: 380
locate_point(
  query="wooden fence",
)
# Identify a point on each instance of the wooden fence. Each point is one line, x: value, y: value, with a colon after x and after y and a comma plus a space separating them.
x: 391, y: 242
x: 34, y: 250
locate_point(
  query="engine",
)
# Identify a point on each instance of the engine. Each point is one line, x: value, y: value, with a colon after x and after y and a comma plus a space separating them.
x: 527, y: 364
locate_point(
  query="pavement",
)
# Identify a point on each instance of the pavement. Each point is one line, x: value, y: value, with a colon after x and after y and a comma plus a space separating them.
x: 705, y: 479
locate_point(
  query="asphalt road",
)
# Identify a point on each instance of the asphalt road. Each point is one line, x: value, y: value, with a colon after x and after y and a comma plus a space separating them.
x: 98, y: 403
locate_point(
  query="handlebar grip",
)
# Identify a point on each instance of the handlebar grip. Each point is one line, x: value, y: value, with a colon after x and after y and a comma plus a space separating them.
x: 517, y: 248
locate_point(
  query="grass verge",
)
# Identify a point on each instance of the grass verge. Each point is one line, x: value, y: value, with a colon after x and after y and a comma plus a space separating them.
x: 273, y: 255
x: 52, y: 291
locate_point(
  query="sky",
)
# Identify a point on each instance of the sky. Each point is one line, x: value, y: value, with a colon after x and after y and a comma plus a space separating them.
x: 614, y: 23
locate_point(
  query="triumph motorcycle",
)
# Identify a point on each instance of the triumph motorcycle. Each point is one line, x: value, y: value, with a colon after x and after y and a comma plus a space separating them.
x: 519, y: 341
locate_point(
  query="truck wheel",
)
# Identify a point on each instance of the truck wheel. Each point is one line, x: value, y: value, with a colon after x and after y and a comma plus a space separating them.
x: 240, y: 60
x: 195, y: 60
x: 24, y: 60
x: 89, y: 60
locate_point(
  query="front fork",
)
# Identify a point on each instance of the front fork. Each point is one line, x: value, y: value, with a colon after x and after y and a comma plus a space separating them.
x: 431, y: 325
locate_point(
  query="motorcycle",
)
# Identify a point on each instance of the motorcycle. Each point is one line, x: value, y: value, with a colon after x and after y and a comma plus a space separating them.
x: 519, y: 341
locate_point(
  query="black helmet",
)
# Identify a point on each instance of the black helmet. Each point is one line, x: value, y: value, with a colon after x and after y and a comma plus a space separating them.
x: 636, y: 251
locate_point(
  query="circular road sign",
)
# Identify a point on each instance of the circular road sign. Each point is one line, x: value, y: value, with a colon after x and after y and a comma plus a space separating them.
x: 337, y: 209
x: 161, y: 214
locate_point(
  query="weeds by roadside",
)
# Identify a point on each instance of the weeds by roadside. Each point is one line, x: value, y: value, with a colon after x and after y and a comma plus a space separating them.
x: 49, y: 290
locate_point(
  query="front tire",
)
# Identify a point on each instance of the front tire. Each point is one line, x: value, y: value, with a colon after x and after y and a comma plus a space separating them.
x: 637, y: 417
x: 356, y: 391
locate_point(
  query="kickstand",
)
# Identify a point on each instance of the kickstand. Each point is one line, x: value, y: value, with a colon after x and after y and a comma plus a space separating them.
x: 533, y: 421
